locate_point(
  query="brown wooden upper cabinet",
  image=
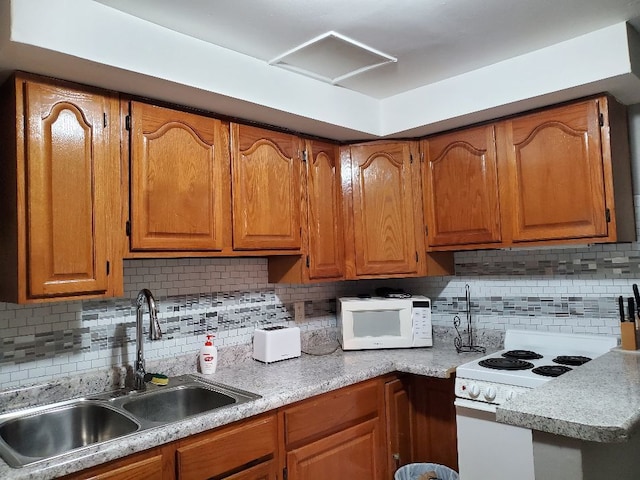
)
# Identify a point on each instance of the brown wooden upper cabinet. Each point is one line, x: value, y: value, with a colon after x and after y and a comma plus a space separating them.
x: 556, y: 176
x: 461, y: 188
x: 180, y: 181
x: 60, y: 181
x: 266, y: 189
x: 323, y: 236
x: 381, y: 181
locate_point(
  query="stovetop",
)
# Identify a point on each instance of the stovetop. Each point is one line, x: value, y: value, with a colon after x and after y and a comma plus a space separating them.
x: 544, y: 347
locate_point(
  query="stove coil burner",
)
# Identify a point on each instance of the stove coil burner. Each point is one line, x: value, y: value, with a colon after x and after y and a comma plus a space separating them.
x: 522, y: 354
x: 573, y: 360
x: 551, y: 370
x: 505, y: 364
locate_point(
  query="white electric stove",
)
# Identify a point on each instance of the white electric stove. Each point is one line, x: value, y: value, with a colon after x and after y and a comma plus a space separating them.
x: 486, y: 448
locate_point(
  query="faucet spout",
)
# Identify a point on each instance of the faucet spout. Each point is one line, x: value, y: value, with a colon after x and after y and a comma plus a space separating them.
x: 155, y: 333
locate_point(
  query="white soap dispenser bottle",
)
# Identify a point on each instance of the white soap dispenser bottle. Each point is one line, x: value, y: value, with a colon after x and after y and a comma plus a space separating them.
x: 208, y: 356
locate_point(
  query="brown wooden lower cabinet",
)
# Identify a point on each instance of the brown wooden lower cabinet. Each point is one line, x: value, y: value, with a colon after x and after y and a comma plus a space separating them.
x: 364, y: 431
x: 435, y: 437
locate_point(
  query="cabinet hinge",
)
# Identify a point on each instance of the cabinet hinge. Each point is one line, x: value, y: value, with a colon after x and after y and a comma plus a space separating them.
x: 108, y: 267
x: 304, y: 156
x: 127, y: 228
x: 607, y: 215
x: 421, y: 157
x: 104, y: 119
x: 601, y: 120
x: 307, y: 261
x: 285, y: 474
x: 417, y: 258
x: 411, y: 157
x: 127, y: 122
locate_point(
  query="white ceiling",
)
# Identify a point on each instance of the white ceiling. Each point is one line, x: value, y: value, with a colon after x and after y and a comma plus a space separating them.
x: 459, y: 61
x: 432, y: 39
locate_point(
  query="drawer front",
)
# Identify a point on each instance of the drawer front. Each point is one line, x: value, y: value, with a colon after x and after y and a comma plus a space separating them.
x: 227, y: 449
x: 329, y: 412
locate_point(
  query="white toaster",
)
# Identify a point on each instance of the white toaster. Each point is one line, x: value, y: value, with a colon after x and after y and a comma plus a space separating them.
x: 271, y: 344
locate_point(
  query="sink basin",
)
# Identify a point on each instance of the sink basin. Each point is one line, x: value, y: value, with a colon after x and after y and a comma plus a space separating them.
x: 45, y: 433
x: 40, y: 433
x: 177, y: 403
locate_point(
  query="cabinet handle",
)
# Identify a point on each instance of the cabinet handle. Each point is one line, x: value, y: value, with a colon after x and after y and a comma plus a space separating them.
x: 396, y: 459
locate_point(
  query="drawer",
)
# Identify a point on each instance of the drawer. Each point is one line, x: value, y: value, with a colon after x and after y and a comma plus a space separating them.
x: 227, y: 449
x: 331, y: 411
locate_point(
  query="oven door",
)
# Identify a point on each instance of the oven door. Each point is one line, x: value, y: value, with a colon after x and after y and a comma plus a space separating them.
x: 488, y: 450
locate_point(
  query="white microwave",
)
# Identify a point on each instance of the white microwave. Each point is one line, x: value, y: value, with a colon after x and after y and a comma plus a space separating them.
x: 377, y: 322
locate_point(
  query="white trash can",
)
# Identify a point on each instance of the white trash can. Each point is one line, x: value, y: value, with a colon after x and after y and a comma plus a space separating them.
x: 413, y: 471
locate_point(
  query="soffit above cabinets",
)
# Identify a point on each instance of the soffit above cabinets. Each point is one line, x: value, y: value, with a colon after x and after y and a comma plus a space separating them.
x: 458, y: 62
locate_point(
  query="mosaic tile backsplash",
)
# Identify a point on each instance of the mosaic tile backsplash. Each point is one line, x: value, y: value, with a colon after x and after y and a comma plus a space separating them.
x: 570, y: 290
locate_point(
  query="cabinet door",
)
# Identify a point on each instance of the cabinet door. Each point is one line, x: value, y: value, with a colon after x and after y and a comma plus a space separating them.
x: 267, y: 191
x: 555, y: 174
x: 383, y: 209
x: 179, y: 180
x: 349, y: 454
x: 69, y: 164
x: 435, y: 435
x: 461, y: 188
x: 399, y: 416
x: 214, y: 454
x: 326, y: 238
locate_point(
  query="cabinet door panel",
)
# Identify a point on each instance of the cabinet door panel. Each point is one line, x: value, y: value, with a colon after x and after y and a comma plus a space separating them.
x: 67, y: 157
x: 556, y: 174
x: 399, y: 415
x: 267, y: 190
x: 179, y: 180
x: 384, y: 227
x: 213, y: 454
x: 326, y: 240
x: 346, y: 455
x: 461, y: 188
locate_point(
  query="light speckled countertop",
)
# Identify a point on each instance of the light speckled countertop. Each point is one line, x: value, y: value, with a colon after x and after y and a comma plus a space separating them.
x: 599, y: 402
x: 279, y: 384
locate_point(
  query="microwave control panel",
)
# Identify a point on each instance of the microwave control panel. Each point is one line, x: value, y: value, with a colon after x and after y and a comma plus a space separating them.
x: 422, y: 336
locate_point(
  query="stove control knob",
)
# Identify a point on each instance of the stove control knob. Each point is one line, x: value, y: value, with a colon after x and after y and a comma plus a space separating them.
x: 510, y: 394
x: 474, y: 390
x: 490, y: 394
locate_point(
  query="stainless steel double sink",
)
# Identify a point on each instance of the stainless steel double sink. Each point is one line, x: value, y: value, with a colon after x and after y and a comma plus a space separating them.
x: 41, y: 433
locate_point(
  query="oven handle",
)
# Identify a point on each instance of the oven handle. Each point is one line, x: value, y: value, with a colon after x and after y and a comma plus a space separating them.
x: 473, y: 405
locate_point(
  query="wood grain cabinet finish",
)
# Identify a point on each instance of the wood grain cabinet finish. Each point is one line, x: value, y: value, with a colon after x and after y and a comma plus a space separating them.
x: 229, y: 451
x: 556, y: 176
x: 322, y: 258
x: 559, y: 172
x: 461, y: 199
x: 337, y: 435
x: 434, y: 421
x: 399, y: 423
x: 348, y: 454
x: 147, y: 465
x: 61, y: 210
x: 324, y: 206
x: 384, y: 211
x: 180, y: 192
x: 266, y: 189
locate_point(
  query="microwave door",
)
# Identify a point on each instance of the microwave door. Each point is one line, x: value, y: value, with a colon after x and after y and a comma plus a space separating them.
x: 383, y: 328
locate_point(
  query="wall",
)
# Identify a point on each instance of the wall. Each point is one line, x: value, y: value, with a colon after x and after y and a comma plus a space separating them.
x: 572, y: 290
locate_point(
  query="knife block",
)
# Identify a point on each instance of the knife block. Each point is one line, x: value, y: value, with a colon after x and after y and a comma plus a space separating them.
x: 628, y: 336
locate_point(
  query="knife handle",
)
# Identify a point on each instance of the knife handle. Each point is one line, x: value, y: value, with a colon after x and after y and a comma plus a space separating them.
x: 632, y: 309
x: 621, y: 308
